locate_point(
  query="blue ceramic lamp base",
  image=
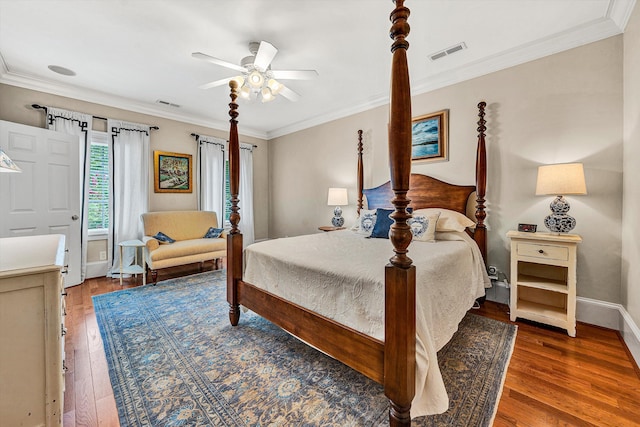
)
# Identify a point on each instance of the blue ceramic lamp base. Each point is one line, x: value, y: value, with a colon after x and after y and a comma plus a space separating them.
x: 559, y: 221
x: 337, y: 220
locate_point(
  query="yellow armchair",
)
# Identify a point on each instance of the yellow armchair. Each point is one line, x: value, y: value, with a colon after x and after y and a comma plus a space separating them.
x: 187, y: 228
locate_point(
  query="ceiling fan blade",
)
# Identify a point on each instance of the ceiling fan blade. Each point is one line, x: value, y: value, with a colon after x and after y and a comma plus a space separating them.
x: 205, y: 57
x: 289, y: 94
x: 266, y: 53
x: 216, y: 83
x: 294, y: 74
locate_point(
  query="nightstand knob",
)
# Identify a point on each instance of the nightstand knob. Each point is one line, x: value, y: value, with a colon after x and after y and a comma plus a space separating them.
x: 540, y: 251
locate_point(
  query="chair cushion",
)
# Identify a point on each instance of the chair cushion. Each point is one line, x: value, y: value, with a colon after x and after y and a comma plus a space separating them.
x: 187, y: 247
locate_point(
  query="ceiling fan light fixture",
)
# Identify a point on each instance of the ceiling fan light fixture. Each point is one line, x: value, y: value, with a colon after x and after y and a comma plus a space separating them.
x: 239, y: 80
x: 256, y: 79
x: 267, y: 96
x: 275, y: 86
x: 245, y: 92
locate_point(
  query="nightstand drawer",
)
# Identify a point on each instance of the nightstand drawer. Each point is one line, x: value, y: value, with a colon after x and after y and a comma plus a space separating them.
x: 535, y: 250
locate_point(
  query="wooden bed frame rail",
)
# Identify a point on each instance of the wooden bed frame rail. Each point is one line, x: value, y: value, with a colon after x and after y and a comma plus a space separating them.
x: 392, y: 362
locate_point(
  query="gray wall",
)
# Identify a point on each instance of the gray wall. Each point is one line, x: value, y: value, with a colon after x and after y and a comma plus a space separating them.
x: 630, y: 226
x: 563, y: 108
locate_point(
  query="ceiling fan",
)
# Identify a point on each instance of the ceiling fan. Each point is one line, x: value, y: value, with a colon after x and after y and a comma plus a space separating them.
x: 257, y: 79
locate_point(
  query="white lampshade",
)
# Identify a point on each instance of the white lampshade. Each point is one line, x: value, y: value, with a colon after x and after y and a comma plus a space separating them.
x: 337, y: 197
x: 6, y: 164
x: 267, y: 95
x: 255, y: 79
x: 561, y: 179
x: 239, y: 80
x: 275, y: 86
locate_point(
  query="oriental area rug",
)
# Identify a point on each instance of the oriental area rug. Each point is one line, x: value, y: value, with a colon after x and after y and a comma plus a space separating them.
x: 174, y: 360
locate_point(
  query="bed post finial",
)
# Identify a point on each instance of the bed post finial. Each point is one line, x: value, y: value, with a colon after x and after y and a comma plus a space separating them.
x: 400, y: 135
x: 400, y: 274
x: 234, y: 239
x: 234, y: 158
x: 480, y: 234
x: 360, y: 172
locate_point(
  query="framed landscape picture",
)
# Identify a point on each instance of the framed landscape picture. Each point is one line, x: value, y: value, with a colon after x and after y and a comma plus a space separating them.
x: 172, y: 172
x: 430, y: 137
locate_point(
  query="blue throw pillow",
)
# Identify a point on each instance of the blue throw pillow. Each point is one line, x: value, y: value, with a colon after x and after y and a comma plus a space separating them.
x: 383, y: 223
x: 160, y: 236
x: 213, y: 233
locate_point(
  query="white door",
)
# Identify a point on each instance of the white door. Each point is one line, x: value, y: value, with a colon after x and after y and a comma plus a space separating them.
x: 45, y: 197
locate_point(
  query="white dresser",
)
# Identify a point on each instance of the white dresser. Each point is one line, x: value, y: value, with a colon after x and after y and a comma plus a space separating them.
x: 32, y: 330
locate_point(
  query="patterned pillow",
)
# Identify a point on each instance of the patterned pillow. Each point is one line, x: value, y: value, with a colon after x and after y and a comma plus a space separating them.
x: 424, y: 227
x: 366, y: 222
x: 163, y: 238
x: 449, y: 220
x: 383, y: 223
x: 213, y: 233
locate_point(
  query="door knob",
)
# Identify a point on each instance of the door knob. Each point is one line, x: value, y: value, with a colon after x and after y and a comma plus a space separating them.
x: 75, y: 217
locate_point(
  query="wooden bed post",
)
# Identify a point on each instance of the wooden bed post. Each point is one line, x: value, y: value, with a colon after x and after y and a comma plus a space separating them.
x: 480, y: 234
x: 360, y: 172
x: 400, y: 274
x: 234, y: 239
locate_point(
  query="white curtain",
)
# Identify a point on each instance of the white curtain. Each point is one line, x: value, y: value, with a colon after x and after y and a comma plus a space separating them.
x: 245, y: 194
x: 211, y: 177
x: 80, y: 124
x: 130, y: 186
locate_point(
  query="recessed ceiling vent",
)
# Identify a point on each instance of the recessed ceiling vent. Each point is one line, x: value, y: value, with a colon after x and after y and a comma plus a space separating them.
x: 448, y: 51
x: 168, y: 104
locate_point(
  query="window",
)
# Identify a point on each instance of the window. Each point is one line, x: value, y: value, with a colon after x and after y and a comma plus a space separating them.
x: 99, y: 184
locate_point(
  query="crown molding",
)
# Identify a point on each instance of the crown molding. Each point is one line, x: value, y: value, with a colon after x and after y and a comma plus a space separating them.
x: 587, y: 33
x: 620, y: 11
x: 374, y: 102
x: 96, y: 97
x: 613, y: 24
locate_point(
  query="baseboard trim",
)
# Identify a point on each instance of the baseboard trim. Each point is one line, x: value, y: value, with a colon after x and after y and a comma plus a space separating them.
x: 612, y: 316
x: 97, y: 269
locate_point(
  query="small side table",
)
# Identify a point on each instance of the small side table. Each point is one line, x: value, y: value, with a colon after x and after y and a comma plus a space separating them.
x: 138, y: 267
x: 330, y: 228
x: 543, y: 278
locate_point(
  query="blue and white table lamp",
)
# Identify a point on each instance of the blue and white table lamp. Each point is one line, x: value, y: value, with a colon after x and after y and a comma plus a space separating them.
x: 560, y: 180
x: 337, y: 197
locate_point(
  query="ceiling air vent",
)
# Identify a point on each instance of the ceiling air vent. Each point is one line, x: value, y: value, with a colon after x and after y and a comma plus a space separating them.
x: 168, y: 104
x: 448, y: 51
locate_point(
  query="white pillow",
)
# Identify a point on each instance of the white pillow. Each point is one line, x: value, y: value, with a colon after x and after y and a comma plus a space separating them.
x: 449, y: 220
x: 365, y: 222
x: 423, y: 227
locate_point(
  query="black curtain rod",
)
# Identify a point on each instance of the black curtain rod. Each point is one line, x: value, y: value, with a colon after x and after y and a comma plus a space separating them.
x: 196, y: 136
x: 40, y: 107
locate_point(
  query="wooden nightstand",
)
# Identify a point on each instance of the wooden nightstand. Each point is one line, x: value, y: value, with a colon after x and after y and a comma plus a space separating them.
x: 543, y: 278
x: 330, y: 228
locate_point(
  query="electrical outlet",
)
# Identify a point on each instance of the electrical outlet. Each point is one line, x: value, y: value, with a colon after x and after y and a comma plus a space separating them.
x: 103, y: 255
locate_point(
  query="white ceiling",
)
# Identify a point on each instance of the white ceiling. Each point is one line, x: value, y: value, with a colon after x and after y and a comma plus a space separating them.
x: 131, y: 53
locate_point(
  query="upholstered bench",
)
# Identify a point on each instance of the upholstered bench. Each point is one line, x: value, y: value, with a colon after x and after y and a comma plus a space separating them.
x: 175, y: 238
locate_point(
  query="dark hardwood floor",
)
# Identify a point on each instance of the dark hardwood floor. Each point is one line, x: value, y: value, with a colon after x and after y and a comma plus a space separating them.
x: 552, y: 380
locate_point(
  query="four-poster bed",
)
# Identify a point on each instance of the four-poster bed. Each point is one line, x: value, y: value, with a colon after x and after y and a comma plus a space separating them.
x: 390, y: 357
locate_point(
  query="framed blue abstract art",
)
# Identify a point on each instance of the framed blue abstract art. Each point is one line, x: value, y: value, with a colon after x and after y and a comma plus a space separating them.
x: 430, y: 137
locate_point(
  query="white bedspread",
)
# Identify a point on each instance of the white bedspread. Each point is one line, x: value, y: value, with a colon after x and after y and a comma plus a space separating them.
x: 340, y: 275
